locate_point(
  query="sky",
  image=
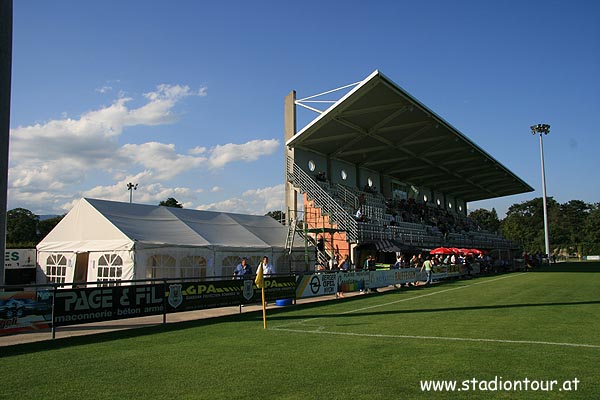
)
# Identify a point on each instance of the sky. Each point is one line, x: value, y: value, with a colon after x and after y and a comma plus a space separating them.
x: 185, y: 98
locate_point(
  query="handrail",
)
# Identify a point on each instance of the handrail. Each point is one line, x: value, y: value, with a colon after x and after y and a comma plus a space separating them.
x: 347, y: 196
x: 367, y: 232
x: 322, y: 199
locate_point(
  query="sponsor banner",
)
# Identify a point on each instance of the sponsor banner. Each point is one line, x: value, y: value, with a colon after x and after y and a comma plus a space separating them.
x: 407, y: 275
x: 84, y: 305
x: 188, y: 296
x: 448, y: 271
x: 379, y: 279
x: 455, y: 270
x: 25, y: 311
x: 319, y: 284
x: 353, y: 281
x: 19, y: 258
x: 281, y: 287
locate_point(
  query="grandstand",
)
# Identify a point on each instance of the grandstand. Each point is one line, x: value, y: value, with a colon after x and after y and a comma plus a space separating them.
x: 379, y: 172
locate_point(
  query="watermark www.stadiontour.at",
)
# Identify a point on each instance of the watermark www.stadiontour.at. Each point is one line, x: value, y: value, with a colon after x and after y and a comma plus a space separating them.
x: 498, y: 384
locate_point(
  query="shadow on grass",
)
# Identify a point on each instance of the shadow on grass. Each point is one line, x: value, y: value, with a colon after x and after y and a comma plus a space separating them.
x: 583, y: 266
x: 430, y: 310
x: 135, y: 332
x: 288, y: 313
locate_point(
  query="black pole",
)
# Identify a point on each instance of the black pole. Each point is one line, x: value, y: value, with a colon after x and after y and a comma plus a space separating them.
x: 54, y: 289
x: 164, y: 290
x: 6, y: 19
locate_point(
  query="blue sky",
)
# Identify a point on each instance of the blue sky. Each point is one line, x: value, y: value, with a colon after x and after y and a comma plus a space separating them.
x: 185, y: 98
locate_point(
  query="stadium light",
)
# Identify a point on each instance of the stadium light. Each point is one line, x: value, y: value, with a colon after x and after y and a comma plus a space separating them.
x: 131, y: 187
x: 545, y: 129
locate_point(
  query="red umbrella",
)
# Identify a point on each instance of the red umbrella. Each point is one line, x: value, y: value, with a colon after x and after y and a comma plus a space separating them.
x: 441, y: 250
x: 475, y: 251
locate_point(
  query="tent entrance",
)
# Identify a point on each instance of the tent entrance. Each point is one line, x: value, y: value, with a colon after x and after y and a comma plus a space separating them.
x: 81, y: 267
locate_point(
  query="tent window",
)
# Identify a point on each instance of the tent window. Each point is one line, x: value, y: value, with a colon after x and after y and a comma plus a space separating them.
x: 56, y: 268
x: 110, y: 268
x: 161, y: 266
x: 193, y: 267
x: 230, y: 262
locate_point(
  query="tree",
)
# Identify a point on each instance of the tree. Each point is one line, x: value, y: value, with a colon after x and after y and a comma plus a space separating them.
x: 573, y: 215
x: 170, y: 202
x: 488, y: 220
x: 46, y: 225
x: 524, y: 223
x: 279, y: 216
x: 591, y: 227
x: 21, y: 226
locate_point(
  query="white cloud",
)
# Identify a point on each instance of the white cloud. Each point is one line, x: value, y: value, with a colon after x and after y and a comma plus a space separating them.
x: 54, y: 162
x: 104, y: 89
x: 160, y: 158
x: 197, y: 150
x: 249, y: 151
x: 147, y: 192
x: 255, y: 201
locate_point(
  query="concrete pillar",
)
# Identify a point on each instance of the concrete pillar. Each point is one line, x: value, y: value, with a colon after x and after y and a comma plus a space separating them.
x: 289, y: 121
x: 6, y: 18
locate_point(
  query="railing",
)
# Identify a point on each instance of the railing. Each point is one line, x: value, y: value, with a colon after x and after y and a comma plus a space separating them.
x: 337, y: 214
x: 416, y: 235
x: 346, y: 196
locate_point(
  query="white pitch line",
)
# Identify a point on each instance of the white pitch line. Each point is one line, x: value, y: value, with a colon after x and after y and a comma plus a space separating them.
x: 430, y: 294
x: 459, y: 339
x: 406, y: 299
x: 593, y: 346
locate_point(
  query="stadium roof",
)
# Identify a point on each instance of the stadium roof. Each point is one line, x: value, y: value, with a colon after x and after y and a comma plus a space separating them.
x: 379, y: 126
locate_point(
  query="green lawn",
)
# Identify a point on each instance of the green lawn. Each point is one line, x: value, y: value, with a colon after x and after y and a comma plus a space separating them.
x: 541, y: 326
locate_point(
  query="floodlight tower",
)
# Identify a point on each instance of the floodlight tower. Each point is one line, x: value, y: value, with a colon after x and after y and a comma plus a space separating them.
x: 543, y: 129
x: 131, y: 187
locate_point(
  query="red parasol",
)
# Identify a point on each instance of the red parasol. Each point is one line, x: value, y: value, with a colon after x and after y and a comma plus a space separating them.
x: 441, y: 250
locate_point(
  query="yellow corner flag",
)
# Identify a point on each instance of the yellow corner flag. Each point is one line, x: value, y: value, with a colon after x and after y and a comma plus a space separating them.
x: 260, y: 278
x: 260, y: 282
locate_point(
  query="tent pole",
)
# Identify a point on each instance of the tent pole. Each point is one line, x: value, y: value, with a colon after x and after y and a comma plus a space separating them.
x: 164, y: 302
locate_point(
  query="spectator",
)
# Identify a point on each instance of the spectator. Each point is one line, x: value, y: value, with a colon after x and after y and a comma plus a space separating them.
x: 243, y: 270
x: 359, y: 216
x: 428, y: 270
x: 371, y: 265
x: 267, y: 269
x: 344, y: 267
x: 398, y: 263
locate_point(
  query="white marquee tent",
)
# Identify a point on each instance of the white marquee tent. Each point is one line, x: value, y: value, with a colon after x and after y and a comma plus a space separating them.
x: 106, y: 240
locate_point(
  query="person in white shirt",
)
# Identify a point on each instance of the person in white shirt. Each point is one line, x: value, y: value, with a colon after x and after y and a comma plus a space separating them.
x: 267, y: 268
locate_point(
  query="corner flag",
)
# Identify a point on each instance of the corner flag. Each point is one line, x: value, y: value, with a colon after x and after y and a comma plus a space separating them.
x: 260, y: 283
x: 260, y: 278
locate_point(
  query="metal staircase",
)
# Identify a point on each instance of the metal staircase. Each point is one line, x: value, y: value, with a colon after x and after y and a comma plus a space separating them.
x: 289, y: 241
x: 322, y: 199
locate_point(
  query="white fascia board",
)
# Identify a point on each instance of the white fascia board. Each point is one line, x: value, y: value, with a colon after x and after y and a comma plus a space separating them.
x: 333, y: 106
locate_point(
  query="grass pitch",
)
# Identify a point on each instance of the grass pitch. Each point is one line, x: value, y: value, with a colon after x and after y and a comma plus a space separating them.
x: 538, y: 326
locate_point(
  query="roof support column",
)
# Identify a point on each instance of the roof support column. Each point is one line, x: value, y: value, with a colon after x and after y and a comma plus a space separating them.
x: 289, y: 121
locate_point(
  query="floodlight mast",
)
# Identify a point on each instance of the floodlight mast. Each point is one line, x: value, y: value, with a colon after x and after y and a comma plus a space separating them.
x: 545, y: 129
x: 131, y: 187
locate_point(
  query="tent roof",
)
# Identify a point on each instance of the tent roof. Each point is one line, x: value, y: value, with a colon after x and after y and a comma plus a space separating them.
x: 381, y: 127
x: 157, y: 225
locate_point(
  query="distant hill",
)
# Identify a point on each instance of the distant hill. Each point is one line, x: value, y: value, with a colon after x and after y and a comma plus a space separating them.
x: 43, y: 217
